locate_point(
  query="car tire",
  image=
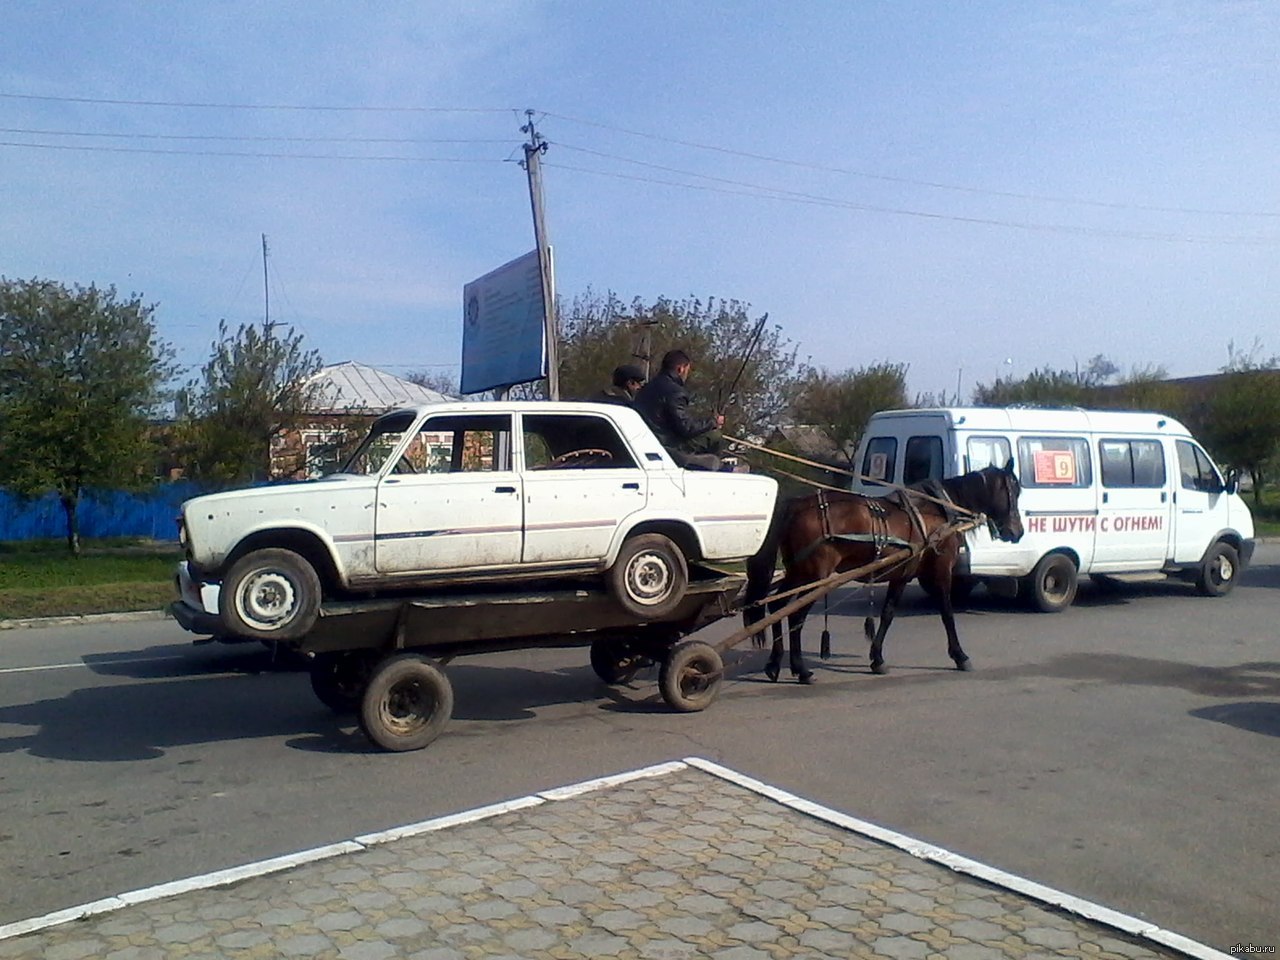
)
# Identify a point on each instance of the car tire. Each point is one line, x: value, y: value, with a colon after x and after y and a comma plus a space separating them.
x: 1218, y: 570
x: 1053, y: 583
x: 650, y: 576
x: 406, y: 704
x: 270, y: 594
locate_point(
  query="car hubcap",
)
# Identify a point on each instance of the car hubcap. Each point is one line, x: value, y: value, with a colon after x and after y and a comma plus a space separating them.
x: 266, y: 599
x: 648, y: 578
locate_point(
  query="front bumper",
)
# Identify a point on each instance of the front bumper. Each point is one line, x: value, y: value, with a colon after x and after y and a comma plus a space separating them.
x: 196, y: 608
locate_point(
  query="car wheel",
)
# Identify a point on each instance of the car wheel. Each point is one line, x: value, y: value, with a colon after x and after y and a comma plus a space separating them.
x: 649, y: 577
x: 1053, y: 583
x: 1218, y: 570
x: 406, y: 704
x: 270, y: 594
x: 691, y: 676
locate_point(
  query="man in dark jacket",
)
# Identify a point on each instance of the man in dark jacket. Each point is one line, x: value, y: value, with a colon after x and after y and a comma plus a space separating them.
x: 627, y: 381
x: 664, y: 402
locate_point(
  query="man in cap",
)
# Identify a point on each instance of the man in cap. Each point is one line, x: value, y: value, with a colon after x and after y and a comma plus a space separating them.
x: 627, y: 381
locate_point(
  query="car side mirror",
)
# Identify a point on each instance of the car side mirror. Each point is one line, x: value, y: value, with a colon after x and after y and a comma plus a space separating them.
x: 1232, y: 484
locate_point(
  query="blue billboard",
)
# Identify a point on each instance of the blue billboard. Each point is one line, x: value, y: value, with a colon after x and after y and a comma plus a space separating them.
x: 504, y: 327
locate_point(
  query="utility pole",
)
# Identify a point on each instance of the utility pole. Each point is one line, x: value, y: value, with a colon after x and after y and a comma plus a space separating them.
x: 644, y: 349
x: 533, y: 151
x: 266, y: 293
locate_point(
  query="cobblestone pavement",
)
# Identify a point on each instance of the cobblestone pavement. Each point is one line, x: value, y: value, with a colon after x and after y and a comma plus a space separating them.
x: 664, y: 867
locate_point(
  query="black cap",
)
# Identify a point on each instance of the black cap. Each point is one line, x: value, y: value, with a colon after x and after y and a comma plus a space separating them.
x: 628, y: 371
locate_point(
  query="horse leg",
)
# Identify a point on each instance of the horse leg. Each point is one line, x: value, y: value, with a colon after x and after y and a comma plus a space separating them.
x: 891, y: 597
x: 795, y: 624
x: 954, y: 650
x: 773, y: 668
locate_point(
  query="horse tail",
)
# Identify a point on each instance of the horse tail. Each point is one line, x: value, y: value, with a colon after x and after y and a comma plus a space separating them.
x: 760, y: 569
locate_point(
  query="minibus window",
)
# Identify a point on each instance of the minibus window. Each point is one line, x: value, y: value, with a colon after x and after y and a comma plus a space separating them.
x: 1198, y: 472
x: 1131, y: 463
x: 1148, y: 463
x: 877, y: 462
x: 1054, y: 462
x: 987, y: 452
x: 923, y: 460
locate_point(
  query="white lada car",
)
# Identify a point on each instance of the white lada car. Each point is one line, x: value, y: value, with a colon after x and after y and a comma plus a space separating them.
x: 470, y: 492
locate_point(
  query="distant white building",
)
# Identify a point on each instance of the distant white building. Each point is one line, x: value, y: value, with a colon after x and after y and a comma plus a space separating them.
x: 347, y: 394
x: 354, y: 388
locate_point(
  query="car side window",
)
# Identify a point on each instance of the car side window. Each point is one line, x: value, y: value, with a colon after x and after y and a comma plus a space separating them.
x: 478, y: 443
x: 568, y: 441
x: 923, y: 459
x: 877, y: 462
x: 1054, y: 462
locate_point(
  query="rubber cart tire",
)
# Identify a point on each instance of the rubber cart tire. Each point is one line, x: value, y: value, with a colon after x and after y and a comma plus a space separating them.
x: 650, y: 576
x: 270, y: 594
x: 615, y: 659
x: 1053, y: 583
x: 691, y: 676
x: 406, y: 704
x: 339, y: 679
x: 1218, y: 570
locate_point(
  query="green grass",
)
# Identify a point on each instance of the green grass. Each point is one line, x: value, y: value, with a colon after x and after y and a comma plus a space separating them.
x: 41, y: 579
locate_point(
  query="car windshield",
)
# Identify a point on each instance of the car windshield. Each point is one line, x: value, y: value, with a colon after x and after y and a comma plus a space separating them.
x: 384, y: 436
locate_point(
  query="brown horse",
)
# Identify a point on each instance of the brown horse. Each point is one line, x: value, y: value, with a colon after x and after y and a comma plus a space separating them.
x: 826, y: 533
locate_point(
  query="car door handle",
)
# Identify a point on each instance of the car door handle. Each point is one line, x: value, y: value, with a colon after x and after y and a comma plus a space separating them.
x: 631, y: 486
x: 504, y: 489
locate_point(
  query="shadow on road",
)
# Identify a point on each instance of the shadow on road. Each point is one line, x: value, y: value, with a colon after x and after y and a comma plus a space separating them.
x: 1254, y: 716
x: 1255, y: 679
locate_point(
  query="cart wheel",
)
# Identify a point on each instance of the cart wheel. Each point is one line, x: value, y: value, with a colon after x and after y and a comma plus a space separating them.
x: 691, y: 675
x: 339, y: 679
x: 406, y: 704
x: 616, y: 660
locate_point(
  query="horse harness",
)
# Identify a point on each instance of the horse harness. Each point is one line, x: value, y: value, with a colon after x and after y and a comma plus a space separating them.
x: 879, y: 536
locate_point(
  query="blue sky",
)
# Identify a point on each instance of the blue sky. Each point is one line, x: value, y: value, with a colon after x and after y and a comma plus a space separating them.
x: 952, y: 186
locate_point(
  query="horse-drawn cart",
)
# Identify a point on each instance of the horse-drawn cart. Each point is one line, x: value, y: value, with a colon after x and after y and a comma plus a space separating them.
x: 383, y: 658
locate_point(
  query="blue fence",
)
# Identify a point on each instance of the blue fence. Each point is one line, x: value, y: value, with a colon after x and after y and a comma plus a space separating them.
x: 102, y: 513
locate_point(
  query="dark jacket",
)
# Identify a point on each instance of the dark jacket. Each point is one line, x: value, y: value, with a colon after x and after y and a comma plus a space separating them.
x: 613, y: 394
x: 664, y: 402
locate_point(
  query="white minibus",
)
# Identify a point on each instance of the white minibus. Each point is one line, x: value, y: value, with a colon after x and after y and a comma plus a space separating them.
x: 1117, y: 496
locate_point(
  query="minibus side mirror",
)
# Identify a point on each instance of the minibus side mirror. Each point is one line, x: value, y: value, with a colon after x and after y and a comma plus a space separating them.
x: 1233, y: 482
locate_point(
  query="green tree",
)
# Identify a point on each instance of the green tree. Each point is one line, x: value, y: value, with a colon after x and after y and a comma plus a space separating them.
x: 599, y: 332
x: 1240, y: 419
x: 81, y: 371
x: 255, y: 388
x: 842, y: 403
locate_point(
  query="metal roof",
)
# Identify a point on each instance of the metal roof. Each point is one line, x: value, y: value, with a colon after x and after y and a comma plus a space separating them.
x: 352, y: 387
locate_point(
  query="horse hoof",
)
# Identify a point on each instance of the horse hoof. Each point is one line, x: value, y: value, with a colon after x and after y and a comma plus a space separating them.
x: 771, y: 671
x: 880, y: 669
x: 964, y: 665
x: 807, y: 678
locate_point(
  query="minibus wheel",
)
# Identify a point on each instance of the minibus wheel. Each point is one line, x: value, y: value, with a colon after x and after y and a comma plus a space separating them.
x: 1218, y: 570
x: 1052, y: 585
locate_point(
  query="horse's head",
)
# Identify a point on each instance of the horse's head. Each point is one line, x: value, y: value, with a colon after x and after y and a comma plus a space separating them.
x: 1001, y: 489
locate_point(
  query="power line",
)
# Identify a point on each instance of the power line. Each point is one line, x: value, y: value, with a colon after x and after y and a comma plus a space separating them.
x: 243, y: 139
x: 936, y: 185
x: 772, y: 193
x: 253, y: 106
x: 245, y: 153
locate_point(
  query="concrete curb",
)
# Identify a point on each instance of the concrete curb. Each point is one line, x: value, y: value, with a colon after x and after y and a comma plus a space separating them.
x: 78, y: 619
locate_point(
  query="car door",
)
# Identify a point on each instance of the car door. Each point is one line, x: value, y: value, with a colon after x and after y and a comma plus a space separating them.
x: 1133, y: 516
x: 452, y: 500
x: 580, y: 482
x: 1200, y: 495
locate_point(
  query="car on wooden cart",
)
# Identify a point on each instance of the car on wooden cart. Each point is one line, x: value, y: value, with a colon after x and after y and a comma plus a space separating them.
x: 468, y: 492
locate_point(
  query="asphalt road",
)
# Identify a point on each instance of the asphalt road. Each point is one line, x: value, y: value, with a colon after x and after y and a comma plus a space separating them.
x: 1125, y: 751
